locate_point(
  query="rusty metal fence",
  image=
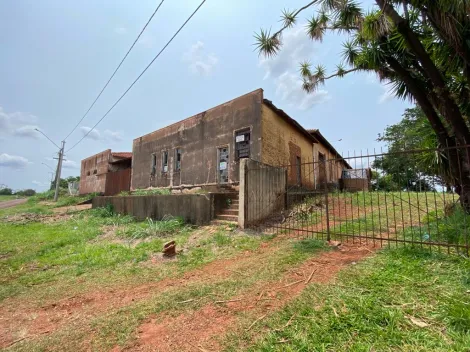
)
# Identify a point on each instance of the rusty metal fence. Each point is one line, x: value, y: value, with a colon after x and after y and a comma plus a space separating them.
x: 403, y: 198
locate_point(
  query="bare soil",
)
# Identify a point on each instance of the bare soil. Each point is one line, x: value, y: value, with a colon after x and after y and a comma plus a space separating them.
x: 202, y: 329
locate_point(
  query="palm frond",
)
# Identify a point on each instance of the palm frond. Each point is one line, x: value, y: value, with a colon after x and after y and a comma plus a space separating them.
x: 267, y: 44
x: 288, y: 18
x: 341, y: 71
x: 350, y: 53
x: 315, y: 29
x: 305, y: 69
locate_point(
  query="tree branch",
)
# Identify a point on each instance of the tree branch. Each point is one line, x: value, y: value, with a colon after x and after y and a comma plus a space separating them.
x: 295, y: 15
x: 342, y: 74
x: 452, y: 112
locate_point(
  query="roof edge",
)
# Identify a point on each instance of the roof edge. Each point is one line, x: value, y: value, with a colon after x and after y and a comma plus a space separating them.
x: 192, y: 116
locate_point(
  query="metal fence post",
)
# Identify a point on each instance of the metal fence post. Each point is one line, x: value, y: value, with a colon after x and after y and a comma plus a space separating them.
x: 328, y: 235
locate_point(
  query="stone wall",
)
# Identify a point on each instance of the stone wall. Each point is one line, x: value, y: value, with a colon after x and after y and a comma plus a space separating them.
x: 262, y: 192
x: 198, y: 209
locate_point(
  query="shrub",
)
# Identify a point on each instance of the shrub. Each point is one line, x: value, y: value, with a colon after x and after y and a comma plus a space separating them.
x: 6, y: 192
x: 27, y: 192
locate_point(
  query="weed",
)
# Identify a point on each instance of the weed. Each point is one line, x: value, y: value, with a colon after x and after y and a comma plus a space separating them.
x: 152, y: 228
x: 151, y: 192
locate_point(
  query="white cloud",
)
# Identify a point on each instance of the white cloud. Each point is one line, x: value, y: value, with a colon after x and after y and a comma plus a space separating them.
x: 18, y: 124
x: 114, y: 136
x: 27, y: 131
x: 106, y: 136
x: 120, y: 30
x: 289, y: 89
x: 13, y: 161
x: 200, y: 62
x: 283, y: 69
x: 70, y: 164
x: 387, y: 95
x: 94, y: 134
x: 66, y: 163
x: 146, y: 40
x: 39, y: 183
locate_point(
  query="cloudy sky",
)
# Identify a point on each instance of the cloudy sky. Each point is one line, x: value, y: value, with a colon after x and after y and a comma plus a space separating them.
x: 57, y: 55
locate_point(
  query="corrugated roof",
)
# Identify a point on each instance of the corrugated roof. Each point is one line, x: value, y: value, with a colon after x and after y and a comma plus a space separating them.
x: 125, y: 155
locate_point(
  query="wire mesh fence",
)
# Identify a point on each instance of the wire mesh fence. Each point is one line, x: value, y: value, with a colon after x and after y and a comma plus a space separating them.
x: 403, y: 198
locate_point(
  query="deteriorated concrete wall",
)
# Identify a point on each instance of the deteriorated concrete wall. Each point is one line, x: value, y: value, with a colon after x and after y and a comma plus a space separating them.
x: 198, y: 138
x: 262, y: 192
x: 193, y: 208
x: 282, y: 143
x: 333, y: 168
x: 93, y: 173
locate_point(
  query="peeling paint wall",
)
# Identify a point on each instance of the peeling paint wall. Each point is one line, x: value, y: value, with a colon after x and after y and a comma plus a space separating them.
x: 333, y: 168
x: 93, y: 173
x: 282, y: 143
x: 198, y: 138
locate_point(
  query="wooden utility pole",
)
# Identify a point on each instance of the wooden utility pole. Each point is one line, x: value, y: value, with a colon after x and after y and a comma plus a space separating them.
x: 59, y: 169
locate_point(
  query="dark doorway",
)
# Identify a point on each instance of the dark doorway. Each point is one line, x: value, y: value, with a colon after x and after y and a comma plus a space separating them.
x: 321, y: 168
x: 298, y: 167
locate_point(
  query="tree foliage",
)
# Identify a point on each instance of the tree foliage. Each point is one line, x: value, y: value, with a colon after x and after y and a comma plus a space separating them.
x: 420, y: 47
x: 64, y: 182
x: 414, y: 171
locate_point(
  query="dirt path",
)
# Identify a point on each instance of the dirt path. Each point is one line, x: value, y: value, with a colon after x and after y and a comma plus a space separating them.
x: 12, y: 203
x: 23, y: 320
x: 202, y: 329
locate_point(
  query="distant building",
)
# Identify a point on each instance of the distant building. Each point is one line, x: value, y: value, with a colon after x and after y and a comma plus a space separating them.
x: 107, y: 173
x: 205, y: 149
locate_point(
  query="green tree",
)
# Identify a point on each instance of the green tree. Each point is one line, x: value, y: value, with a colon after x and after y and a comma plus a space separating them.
x: 64, y: 182
x: 414, y: 171
x: 420, y: 46
x: 6, y: 191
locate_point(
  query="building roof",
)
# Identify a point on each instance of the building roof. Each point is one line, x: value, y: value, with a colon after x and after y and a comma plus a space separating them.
x: 124, y: 155
x: 321, y: 139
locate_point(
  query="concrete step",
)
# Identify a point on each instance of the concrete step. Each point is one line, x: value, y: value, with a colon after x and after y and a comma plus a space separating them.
x: 229, y: 212
x: 223, y: 222
x: 227, y: 217
x: 233, y: 206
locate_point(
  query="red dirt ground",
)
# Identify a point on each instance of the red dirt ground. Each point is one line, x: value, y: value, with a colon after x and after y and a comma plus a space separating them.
x: 200, y: 330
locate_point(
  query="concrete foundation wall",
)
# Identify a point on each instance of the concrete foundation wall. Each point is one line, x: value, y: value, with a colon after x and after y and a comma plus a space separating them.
x: 196, y: 209
x: 198, y: 138
x: 262, y: 191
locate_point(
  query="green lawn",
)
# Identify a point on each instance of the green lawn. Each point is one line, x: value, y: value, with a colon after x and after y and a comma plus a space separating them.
x: 399, y: 300
x: 395, y: 300
x: 5, y: 198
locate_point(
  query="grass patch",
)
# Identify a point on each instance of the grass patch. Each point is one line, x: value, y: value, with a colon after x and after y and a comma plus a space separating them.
x: 147, y: 192
x: 399, y: 300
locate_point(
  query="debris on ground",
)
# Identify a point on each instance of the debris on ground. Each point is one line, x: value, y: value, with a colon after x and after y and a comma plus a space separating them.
x: 169, y: 249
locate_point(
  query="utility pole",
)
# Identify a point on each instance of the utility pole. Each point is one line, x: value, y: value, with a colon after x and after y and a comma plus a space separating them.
x: 59, y: 169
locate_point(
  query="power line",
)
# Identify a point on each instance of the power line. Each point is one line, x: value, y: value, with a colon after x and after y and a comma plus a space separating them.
x: 50, y: 140
x: 141, y: 74
x: 115, y: 71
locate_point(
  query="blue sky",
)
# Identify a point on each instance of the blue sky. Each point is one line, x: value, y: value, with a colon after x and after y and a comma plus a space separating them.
x: 57, y: 55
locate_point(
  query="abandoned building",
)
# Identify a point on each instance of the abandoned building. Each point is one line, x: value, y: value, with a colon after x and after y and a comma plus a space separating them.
x: 205, y: 150
x: 106, y: 173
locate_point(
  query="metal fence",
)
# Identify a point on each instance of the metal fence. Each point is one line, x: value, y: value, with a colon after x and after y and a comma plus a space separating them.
x: 353, y: 198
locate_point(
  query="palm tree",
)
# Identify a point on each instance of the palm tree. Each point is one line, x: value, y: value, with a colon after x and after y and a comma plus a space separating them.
x: 419, y: 46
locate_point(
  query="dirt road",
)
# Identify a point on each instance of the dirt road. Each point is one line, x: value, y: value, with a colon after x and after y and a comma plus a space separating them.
x: 12, y: 203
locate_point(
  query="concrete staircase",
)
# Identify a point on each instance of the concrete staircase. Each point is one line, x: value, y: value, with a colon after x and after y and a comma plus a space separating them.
x: 229, y: 215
